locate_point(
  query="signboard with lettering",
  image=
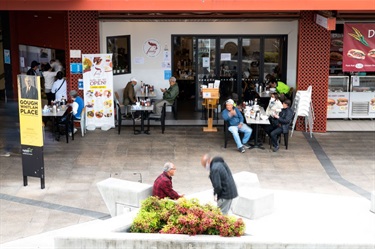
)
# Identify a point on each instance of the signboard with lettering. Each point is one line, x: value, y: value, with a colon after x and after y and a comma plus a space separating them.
x: 98, y: 89
x: 359, y: 47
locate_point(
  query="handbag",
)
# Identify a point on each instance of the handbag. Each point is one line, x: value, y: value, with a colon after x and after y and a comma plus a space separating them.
x: 273, y: 121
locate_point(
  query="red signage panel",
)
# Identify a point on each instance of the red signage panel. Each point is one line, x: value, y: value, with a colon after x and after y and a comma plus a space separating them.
x: 359, y: 47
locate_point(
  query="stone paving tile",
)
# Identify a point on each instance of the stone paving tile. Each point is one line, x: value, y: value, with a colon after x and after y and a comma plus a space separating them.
x: 74, y: 169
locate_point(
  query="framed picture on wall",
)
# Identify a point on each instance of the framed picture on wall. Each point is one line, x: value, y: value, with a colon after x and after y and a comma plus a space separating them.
x: 119, y: 46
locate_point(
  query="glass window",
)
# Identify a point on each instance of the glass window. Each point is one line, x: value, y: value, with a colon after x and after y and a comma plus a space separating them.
x: 273, y: 57
x: 119, y: 46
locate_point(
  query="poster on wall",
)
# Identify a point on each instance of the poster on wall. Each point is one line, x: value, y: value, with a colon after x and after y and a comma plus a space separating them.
x: 359, y: 47
x: 98, y: 89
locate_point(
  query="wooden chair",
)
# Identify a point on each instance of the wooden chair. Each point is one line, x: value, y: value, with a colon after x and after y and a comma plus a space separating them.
x: 82, y: 121
x: 157, y: 117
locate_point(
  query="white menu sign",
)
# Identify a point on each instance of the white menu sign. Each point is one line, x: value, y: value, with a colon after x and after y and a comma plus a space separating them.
x: 98, y: 89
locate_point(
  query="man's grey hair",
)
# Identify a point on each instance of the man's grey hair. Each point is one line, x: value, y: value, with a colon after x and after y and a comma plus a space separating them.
x: 168, y: 166
x: 172, y: 79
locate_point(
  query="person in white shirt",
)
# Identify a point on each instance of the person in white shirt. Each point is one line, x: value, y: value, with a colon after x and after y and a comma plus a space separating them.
x: 274, y: 106
x: 59, y: 86
x: 49, y: 78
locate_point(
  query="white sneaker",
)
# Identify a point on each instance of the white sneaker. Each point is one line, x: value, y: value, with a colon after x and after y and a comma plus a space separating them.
x: 70, y: 134
x: 75, y: 130
x: 6, y: 154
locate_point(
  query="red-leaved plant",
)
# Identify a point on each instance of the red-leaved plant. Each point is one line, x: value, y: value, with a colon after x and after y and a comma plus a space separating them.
x: 184, y: 217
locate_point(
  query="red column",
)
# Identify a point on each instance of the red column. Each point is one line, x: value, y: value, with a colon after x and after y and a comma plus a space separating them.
x: 313, y: 67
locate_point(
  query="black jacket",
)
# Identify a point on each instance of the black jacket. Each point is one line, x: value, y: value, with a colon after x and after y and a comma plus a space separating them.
x: 222, y: 179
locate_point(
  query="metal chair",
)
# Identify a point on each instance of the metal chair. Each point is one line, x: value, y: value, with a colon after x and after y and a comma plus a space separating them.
x: 66, y: 125
x: 119, y: 116
x: 157, y: 117
x: 82, y: 121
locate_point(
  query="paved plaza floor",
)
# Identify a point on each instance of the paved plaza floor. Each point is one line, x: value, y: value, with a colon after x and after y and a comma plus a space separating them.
x: 336, y: 166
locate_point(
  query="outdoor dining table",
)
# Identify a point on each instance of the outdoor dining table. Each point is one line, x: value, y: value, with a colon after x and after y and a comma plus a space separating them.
x: 143, y: 110
x: 257, y: 123
x: 145, y: 95
x: 56, y: 116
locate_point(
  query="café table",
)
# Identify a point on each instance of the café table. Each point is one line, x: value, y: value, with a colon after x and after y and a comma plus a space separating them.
x: 143, y: 110
x: 56, y: 116
x: 145, y: 95
x: 257, y: 123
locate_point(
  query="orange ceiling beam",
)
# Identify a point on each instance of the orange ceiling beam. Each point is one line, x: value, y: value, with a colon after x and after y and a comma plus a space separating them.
x: 188, y: 5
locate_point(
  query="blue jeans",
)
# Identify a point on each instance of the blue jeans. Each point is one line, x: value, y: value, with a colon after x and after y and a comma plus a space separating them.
x: 235, y: 132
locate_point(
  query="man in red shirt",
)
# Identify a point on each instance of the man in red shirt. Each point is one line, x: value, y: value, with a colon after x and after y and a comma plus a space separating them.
x: 163, y: 184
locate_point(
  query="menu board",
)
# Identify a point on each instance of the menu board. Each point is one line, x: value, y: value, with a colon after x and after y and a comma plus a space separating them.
x: 98, y: 89
x: 359, y: 47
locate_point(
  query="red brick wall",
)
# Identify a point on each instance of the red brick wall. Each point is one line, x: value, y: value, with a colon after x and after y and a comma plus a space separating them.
x: 83, y: 34
x: 313, y: 67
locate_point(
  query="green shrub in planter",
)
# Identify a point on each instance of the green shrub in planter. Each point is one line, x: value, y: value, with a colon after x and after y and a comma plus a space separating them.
x: 184, y: 217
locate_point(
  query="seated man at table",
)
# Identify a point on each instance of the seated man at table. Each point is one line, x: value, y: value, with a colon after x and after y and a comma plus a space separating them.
x: 236, y: 124
x: 163, y: 184
x: 279, y: 123
x: 129, y: 93
x: 169, y: 95
x: 281, y: 88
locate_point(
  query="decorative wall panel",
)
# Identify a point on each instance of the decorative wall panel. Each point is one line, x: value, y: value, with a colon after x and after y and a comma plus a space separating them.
x: 83, y: 30
x: 313, y: 67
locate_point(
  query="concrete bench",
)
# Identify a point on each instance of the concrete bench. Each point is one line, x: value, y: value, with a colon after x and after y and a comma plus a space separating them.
x: 122, y: 196
x: 253, y: 203
x: 246, y: 179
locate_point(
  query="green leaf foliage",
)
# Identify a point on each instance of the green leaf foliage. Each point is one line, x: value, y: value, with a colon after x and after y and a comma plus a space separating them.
x: 184, y: 217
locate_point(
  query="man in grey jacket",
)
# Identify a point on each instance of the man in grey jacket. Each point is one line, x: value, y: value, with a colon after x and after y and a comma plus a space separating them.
x: 225, y: 189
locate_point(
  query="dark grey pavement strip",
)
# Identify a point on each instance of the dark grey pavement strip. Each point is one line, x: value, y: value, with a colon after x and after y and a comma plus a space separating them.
x: 331, y: 169
x: 73, y: 210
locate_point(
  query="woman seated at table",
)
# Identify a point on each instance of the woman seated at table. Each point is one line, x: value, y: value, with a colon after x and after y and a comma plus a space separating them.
x: 274, y: 106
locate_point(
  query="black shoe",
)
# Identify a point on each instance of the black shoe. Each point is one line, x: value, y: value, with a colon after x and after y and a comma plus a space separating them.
x: 275, y: 149
x: 247, y: 146
x: 242, y: 149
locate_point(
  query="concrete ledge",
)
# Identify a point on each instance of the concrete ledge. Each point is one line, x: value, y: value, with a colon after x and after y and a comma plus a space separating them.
x: 246, y: 179
x: 123, y: 196
x: 253, y: 203
x: 372, y: 208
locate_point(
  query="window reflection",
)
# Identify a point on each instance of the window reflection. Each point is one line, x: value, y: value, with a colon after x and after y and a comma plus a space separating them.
x: 119, y: 46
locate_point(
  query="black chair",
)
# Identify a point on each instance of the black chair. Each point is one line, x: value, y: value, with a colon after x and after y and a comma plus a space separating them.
x: 286, y: 138
x: 119, y: 116
x: 226, y: 133
x: 174, y: 108
x: 66, y: 126
x: 157, y: 117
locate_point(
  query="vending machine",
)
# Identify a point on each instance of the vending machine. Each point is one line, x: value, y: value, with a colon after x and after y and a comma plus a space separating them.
x: 338, y: 97
x: 362, y: 97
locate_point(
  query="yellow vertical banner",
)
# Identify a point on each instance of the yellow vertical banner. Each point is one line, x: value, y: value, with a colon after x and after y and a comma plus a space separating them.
x: 30, y: 110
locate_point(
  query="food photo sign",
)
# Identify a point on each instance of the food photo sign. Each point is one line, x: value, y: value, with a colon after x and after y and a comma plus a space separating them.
x: 359, y: 47
x: 98, y: 90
